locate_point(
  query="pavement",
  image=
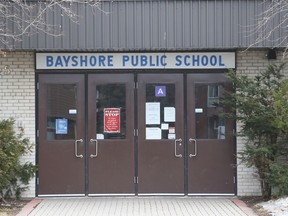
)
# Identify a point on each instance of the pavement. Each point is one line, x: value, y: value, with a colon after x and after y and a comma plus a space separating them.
x: 137, y: 206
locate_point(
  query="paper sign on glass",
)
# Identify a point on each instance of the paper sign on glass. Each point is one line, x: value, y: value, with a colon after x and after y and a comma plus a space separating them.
x: 160, y: 91
x: 169, y: 114
x: 198, y: 110
x: 99, y: 136
x: 171, y: 136
x: 164, y: 126
x: 152, y: 113
x: 111, y: 120
x: 72, y: 111
x: 153, y: 133
x: 171, y: 129
x: 61, y: 126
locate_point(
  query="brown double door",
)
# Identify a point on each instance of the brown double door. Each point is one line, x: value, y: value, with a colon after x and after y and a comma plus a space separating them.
x: 96, y: 139
x: 86, y: 141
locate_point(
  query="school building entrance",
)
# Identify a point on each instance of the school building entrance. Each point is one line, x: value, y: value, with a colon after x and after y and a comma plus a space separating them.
x: 131, y: 132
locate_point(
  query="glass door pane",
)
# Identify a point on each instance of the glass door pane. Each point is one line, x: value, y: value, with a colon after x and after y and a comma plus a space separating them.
x: 210, y: 123
x: 160, y: 111
x: 61, y: 111
x: 111, y: 111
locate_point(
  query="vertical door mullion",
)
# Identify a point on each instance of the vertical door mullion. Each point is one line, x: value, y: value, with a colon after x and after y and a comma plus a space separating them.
x: 137, y: 133
x: 185, y: 138
x: 86, y: 140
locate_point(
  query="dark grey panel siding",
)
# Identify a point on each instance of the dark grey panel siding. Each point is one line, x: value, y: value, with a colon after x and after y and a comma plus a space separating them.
x: 133, y: 25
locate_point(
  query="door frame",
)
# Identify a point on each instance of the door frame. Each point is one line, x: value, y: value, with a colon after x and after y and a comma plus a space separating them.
x: 86, y: 143
x: 135, y: 74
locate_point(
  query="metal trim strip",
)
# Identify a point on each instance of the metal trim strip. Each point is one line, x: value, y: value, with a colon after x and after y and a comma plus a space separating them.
x: 161, y: 194
x: 211, y: 194
x: 124, y: 194
x: 61, y: 195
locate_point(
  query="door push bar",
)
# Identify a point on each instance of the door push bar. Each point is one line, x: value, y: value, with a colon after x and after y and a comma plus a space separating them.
x: 195, y: 148
x: 175, y: 151
x: 96, y: 148
x: 76, y: 148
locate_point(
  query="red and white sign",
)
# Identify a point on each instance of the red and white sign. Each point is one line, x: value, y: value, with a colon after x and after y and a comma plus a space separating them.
x: 111, y: 120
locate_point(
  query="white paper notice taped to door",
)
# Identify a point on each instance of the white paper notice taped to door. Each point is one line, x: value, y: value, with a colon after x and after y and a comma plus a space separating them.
x: 99, y: 136
x: 72, y: 111
x: 153, y: 133
x: 164, y: 126
x: 198, y: 110
x: 152, y: 113
x: 169, y: 114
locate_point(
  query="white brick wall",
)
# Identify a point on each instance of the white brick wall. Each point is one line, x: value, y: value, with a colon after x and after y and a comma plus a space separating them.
x: 250, y: 63
x: 17, y: 100
x: 17, y: 97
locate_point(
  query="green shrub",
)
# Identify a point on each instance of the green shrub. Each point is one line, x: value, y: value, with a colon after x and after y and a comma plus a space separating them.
x: 260, y: 105
x: 278, y: 178
x: 14, y: 175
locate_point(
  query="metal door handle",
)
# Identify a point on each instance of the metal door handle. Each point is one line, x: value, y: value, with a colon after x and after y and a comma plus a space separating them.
x: 96, y: 148
x: 195, y: 148
x: 76, y: 148
x: 175, y: 151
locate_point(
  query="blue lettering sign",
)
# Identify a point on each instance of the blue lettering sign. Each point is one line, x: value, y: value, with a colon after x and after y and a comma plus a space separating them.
x: 136, y: 60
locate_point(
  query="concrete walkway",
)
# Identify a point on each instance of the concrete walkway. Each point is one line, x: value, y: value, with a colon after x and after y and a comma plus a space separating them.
x: 137, y: 206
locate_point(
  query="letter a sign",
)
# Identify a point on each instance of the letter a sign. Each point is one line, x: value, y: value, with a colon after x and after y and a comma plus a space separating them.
x: 160, y: 91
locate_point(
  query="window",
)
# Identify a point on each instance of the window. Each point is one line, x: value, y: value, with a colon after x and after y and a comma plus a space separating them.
x: 209, y: 122
x: 213, y: 95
